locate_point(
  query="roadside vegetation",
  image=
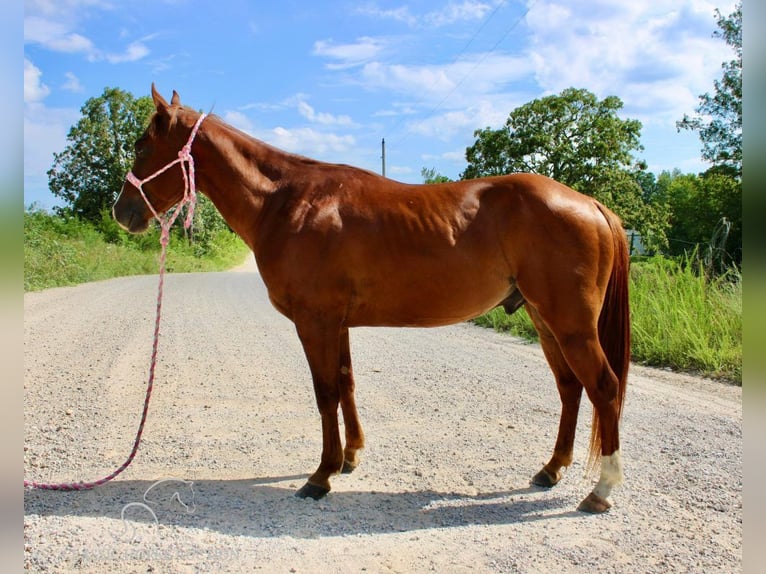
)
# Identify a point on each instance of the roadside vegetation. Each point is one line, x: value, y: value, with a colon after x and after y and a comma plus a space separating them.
x: 681, y: 318
x: 60, y: 251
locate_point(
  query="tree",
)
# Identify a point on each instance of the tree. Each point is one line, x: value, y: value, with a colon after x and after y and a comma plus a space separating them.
x: 572, y: 137
x: 90, y: 171
x: 430, y: 175
x: 718, y: 117
x: 706, y: 215
x: 580, y: 141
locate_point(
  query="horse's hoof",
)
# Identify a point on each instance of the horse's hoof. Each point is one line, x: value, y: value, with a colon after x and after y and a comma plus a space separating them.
x: 545, y: 478
x: 309, y: 490
x: 348, y: 467
x: 594, y: 504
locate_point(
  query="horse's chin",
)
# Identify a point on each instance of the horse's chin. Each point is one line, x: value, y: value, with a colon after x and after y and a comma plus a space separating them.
x: 135, y: 223
x: 138, y: 225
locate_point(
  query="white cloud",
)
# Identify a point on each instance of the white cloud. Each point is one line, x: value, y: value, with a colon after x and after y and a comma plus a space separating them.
x: 399, y: 170
x: 135, y: 51
x: 55, y: 31
x: 656, y: 56
x: 445, y: 125
x: 453, y: 12
x: 72, y: 83
x: 397, y: 109
x: 62, y: 9
x: 349, y: 55
x: 239, y: 121
x: 34, y: 89
x: 55, y: 35
x: 310, y: 142
x: 301, y: 140
x: 457, y: 156
x: 400, y: 14
x: 457, y: 84
x: 322, y: 118
x: 458, y: 12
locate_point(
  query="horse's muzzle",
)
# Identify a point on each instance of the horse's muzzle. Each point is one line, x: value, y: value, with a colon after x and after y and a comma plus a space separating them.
x: 131, y: 215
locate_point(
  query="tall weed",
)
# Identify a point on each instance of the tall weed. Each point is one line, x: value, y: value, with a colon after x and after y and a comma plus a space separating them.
x: 685, y: 320
x: 680, y: 318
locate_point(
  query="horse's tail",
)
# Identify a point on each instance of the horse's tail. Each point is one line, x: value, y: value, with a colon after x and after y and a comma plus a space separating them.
x: 614, y: 326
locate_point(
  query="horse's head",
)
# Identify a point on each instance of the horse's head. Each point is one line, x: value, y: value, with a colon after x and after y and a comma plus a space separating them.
x: 159, y: 147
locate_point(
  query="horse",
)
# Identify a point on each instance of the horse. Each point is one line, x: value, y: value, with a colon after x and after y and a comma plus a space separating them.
x: 341, y: 247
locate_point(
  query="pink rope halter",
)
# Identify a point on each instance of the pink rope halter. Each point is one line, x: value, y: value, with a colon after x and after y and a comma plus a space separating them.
x: 190, y: 197
x: 190, y: 192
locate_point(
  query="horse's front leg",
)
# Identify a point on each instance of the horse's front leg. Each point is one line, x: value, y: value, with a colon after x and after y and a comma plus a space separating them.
x: 321, y: 344
x: 354, y: 432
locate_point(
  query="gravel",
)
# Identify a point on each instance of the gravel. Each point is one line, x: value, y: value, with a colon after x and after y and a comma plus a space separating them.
x: 458, y: 419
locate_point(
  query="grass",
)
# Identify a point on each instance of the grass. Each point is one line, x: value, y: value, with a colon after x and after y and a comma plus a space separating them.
x: 685, y: 320
x: 66, y: 251
x: 680, y: 319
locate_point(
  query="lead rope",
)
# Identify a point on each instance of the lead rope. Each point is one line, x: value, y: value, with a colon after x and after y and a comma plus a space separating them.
x: 190, y: 198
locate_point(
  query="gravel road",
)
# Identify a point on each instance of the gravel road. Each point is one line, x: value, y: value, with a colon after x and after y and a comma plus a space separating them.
x: 457, y: 420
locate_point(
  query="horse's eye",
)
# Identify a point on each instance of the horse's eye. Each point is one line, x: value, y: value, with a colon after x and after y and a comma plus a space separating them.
x: 141, y: 148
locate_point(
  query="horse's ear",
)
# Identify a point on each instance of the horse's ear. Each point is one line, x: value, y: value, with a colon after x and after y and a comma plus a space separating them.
x: 176, y: 99
x: 159, y: 101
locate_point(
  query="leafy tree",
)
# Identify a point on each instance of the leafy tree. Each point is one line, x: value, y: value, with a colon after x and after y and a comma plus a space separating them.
x: 572, y: 137
x: 580, y: 141
x: 90, y: 171
x: 718, y: 117
x: 430, y: 175
x: 706, y: 215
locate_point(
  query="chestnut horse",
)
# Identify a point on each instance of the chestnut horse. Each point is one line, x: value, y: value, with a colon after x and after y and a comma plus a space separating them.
x: 340, y: 247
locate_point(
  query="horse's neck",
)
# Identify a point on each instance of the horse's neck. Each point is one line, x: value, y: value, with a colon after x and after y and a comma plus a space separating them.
x: 238, y: 174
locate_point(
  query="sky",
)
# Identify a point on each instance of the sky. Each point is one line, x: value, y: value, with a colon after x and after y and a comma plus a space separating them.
x: 331, y: 80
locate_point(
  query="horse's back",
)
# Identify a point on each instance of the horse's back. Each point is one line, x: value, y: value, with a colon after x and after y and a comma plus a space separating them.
x: 398, y: 254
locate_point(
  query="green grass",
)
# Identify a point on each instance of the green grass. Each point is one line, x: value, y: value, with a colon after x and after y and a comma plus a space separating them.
x: 680, y: 319
x: 518, y: 324
x: 686, y: 321
x: 60, y: 252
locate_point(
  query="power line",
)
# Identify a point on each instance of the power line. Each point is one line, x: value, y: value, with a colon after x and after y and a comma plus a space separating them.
x: 499, y: 5
x: 479, y: 63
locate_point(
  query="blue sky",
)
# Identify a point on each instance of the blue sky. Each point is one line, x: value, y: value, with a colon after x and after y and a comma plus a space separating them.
x: 331, y: 79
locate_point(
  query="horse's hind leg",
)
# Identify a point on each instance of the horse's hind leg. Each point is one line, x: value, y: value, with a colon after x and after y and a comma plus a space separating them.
x: 570, y: 391
x: 354, y: 433
x: 585, y: 356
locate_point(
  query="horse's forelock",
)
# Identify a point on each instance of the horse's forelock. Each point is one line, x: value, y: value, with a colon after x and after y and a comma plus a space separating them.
x: 162, y: 123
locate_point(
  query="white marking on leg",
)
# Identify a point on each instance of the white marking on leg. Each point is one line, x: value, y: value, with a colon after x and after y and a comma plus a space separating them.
x: 611, y: 474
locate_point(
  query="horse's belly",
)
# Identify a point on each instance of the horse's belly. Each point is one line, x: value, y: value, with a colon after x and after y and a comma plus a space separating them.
x: 427, y: 301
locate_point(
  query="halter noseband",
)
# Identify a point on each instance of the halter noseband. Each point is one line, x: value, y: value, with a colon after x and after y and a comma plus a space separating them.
x: 190, y: 192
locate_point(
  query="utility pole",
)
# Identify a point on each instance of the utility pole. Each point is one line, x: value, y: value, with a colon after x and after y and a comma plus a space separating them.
x: 383, y: 157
